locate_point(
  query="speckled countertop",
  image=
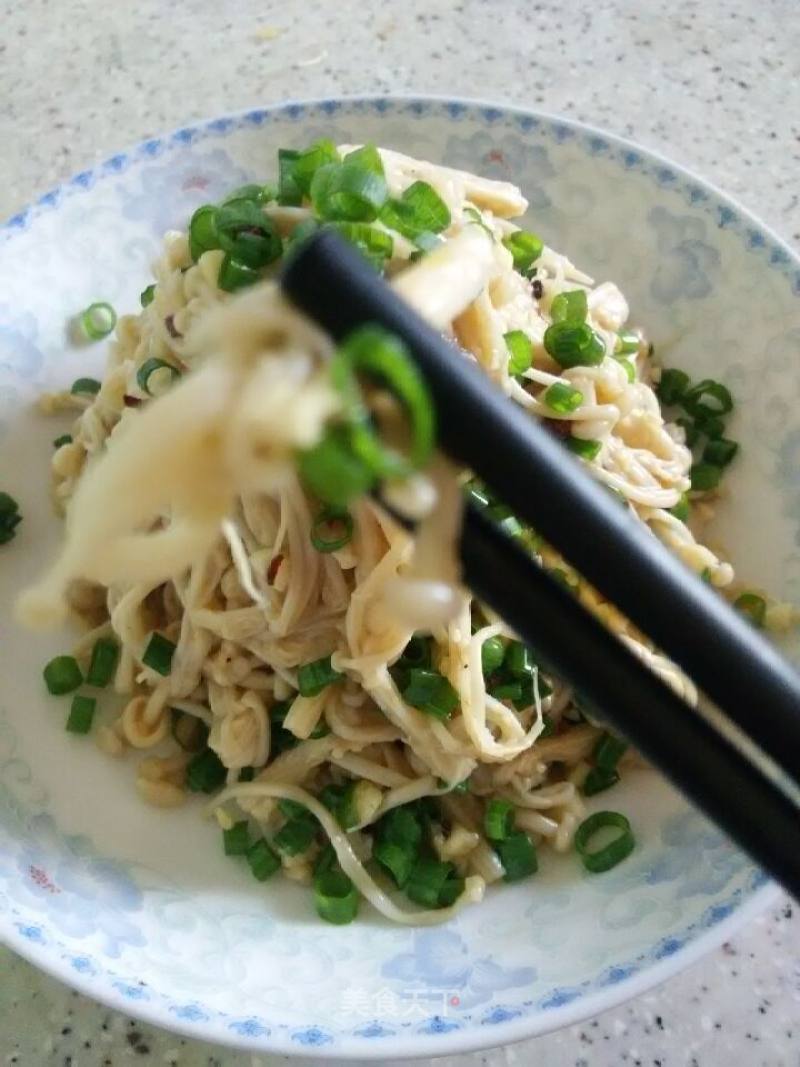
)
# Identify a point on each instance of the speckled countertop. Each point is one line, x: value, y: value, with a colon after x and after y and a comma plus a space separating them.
x: 714, y: 84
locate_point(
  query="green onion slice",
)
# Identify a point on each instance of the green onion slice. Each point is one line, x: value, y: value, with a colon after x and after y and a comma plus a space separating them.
x: 103, y: 662
x: 368, y: 157
x: 753, y: 606
x: 598, y: 780
x: 313, y: 677
x: 296, y: 835
x: 607, y: 856
x: 562, y: 397
x: 261, y: 859
x: 608, y: 751
x: 420, y: 210
x: 98, y: 320
x: 398, y: 860
x: 525, y: 248
x: 331, y: 529
x: 289, y: 191
x: 333, y: 471
x: 85, y: 387
x: 585, y: 447
x: 498, y: 819
x: 627, y: 343
x: 158, y: 654
x: 235, y: 274
x: 427, y: 882
x: 348, y: 192
x: 335, y: 897
x: 205, y: 772
x: 62, y: 675
x: 572, y: 306
x: 375, y: 245
x: 705, y: 477
x: 672, y: 387
x: 155, y: 376
x: 236, y: 840
x: 708, y: 398
x: 492, y: 653
x: 203, y: 236
x: 309, y: 162
x: 520, y: 351
x: 81, y: 714
x: 574, y: 344
x: 146, y: 296
x: 681, y: 509
x: 517, y: 854
x: 64, y: 439
x: 720, y: 452
x: 429, y: 691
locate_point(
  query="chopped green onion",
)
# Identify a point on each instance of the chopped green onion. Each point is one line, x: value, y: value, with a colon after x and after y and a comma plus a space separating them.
x: 158, y: 654
x: 368, y: 157
x: 427, y: 881
x: 104, y: 660
x: 146, y: 296
x: 570, y: 307
x: 234, y: 274
x: 64, y: 439
x: 349, y: 192
x: 398, y: 860
x: 81, y: 714
x: 498, y: 819
x: 517, y: 854
x: 548, y: 726
x: 203, y: 236
x: 333, y: 471
x: 451, y: 890
x: 691, y: 432
x: 331, y: 529
x: 681, y: 509
x: 374, y: 244
x: 10, y: 517
x: 705, y: 477
x: 520, y: 351
x: 519, y: 660
x: 247, y: 233
x: 205, y: 772
x: 608, y: 751
x: 584, y: 447
x: 626, y: 343
x: 85, y: 387
x: 608, y: 856
x: 336, y: 897
x: 155, y: 376
x: 289, y: 191
x: 705, y: 575
x: 574, y: 344
x: 326, y: 860
x: 263, y: 862
x: 296, y: 835
x: 630, y: 370
x: 753, y: 606
x: 340, y: 799
x: 525, y: 248
x: 98, y: 320
x: 431, y: 692
x: 377, y: 354
x: 299, y: 234
x: 506, y: 690
x: 417, y: 652
x: 236, y: 840
x: 401, y: 826
x: 62, y: 675
x: 598, y: 780
x: 720, y: 452
x: 308, y: 163
x: 672, y: 387
x: 477, y: 218
x: 313, y: 677
x: 262, y: 194
x: 492, y: 653
x: 292, y: 809
x: 419, y: 210
x: 707, y: 399
x: 711, y: 425
x: 562, y: 398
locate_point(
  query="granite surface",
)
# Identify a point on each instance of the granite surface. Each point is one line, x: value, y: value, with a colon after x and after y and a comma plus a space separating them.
x: 715, y: 85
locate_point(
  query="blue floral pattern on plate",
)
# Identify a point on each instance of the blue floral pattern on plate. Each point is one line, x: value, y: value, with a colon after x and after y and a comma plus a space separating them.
x: 156, y: 920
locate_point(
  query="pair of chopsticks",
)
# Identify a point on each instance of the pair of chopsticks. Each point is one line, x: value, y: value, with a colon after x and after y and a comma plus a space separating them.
x: 740, y: 763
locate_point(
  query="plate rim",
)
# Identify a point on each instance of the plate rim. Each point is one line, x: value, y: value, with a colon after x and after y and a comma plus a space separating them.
x: 472, y: 1037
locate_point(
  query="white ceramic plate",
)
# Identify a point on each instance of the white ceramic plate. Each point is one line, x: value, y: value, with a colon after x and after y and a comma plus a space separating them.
x: 139, y: 908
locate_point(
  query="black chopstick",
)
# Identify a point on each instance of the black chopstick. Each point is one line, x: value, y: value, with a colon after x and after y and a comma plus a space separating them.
x: 545, y: 486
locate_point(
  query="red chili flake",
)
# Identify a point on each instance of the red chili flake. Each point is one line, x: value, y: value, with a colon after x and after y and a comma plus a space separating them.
x: 495, y: 156
x: 132, y: 401
x: 40, y: 878
x: 274, y: 567
x: 169, y: 322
